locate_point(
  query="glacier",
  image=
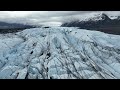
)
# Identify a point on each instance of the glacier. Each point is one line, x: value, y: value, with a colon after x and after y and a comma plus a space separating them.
x: 59, y: 53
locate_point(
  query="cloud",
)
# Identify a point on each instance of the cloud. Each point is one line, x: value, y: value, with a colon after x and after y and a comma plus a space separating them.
x: 51, y: 18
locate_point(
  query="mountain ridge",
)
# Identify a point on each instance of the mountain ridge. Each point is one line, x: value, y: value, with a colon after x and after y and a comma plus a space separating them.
x: 101, y: 23
x: 6, y: 27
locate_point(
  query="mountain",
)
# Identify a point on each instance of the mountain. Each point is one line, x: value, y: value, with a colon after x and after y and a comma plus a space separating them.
x: 100, y: 22
x: 59, y: 53
x: 13, y: 27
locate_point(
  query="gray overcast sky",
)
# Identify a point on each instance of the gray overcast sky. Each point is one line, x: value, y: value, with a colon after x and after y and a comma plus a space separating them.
x: 52, y: 18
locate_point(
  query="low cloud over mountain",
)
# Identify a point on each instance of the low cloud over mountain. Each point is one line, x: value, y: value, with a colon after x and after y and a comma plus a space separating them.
x: 50, y: 18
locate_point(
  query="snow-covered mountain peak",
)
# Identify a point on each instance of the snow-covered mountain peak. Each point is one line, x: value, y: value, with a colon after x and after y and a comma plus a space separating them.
x: 94, y: 17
